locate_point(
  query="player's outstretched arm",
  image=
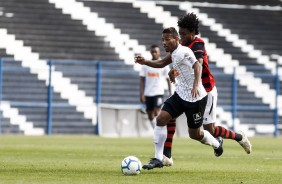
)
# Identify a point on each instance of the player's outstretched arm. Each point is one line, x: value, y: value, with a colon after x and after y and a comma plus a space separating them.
x: 155, y: 64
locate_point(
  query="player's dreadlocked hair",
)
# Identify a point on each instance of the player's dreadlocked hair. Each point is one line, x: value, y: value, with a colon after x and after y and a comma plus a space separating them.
x: 190, y: 22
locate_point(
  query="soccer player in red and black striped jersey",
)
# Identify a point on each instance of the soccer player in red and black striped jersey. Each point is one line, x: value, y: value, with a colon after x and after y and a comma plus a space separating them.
x: 188, y: 29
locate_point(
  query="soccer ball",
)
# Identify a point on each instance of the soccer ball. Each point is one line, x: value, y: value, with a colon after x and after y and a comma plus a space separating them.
x: 131, y: 165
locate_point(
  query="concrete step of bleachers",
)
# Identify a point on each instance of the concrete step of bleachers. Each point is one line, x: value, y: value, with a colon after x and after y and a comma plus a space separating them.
x: 118, y: 80
x: 250, y: 28
x: 257, y: 121
x: 53, y: 26
x: 235, y: 52
x: 238, y: 2
x: 73, y: 130
x: 29, y: 95
x: 135, y: 24
x: 3, y: 53
x: 7, y: 128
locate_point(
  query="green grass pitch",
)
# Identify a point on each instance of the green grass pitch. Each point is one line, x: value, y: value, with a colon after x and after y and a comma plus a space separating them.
x: 90, y: 159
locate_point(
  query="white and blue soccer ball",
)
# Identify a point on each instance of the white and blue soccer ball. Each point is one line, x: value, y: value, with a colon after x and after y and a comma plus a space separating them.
x: 131, y: 165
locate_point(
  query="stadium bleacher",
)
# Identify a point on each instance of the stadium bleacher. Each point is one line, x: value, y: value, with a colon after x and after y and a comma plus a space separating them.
x: 244, y: 97
x: 29, y: 95
x: 129, y: 20
x: 242, y: 2
x: 51, y: 33
x: 117, y: 87
x: 57, y: 36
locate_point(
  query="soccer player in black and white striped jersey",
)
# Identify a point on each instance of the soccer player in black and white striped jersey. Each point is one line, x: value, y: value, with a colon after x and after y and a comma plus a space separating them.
x: 190, y: 96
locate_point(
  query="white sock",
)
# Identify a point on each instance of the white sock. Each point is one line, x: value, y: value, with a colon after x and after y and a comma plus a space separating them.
x: 160, y: 134
x: 208, y: 139
x: 153, y: 122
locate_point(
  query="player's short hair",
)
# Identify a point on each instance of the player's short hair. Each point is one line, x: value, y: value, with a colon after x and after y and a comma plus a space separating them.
x: 171, y: 30
x: 189, y: 21
x: 154, y: 46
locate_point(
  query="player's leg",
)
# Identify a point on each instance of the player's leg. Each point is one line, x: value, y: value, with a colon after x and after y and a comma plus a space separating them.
x: 220, y: 131
x: 171, y: 127
x: 240, y: 137
x: 204, y: 137
x: 194, y: 116
x: 160, y: 134
x: 210, y: 118
x: 170, y: 109
x: 157, y: 104
x: 210, y: 128
x: 150, y: 110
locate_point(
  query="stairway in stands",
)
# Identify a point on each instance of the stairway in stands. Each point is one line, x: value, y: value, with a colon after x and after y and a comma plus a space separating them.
x: 6, y: 126
x: 57, y: 36
x: 256, y: 29
x: 119, y: 82
x: 54, y: 36
x: 129, y: 20
x: 242, y: 2
x: 51, y: 33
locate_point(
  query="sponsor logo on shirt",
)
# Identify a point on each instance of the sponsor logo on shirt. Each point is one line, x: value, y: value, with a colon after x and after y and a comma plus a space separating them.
x: 151, y: 74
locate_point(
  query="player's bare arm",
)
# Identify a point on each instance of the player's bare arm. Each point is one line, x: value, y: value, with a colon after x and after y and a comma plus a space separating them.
x: 155, y: 64
x: 200, y: 61
x: 142, y: 86
x: 197, y: 72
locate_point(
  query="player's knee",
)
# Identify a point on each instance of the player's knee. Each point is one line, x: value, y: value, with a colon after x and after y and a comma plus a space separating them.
x: 162, y: 119
x: 150, y: 115
x: 195, y: 134
x: 210, y: 128
x: 157, y: 111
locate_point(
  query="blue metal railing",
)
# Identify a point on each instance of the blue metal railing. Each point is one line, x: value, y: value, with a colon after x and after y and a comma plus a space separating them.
x: 1, y: 92
x: 96, y: 68
x: 50, y: 96
x: 98, y: 93
x: 276, y: 117
x: 234, y: 98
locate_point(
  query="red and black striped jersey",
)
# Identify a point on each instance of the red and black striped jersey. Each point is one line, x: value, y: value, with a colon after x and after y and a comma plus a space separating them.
x: 198, y: 47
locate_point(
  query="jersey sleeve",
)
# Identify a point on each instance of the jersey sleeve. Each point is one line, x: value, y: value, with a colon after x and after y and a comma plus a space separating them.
x: 199, y: 49
x: 165, y: 71
x: 190, y: 58
x: 142, y: 72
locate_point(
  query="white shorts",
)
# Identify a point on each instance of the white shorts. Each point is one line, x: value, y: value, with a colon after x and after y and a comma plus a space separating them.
x: 210, y: 111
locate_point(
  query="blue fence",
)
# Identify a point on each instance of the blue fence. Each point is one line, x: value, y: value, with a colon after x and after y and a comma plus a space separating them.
x: 98, y: 71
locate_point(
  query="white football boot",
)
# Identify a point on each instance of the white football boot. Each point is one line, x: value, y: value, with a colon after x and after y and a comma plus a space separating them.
x: 245, y: 143
x: 167, y: 161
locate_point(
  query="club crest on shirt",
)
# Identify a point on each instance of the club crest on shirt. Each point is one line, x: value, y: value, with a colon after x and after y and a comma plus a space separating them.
x: 187, y: 56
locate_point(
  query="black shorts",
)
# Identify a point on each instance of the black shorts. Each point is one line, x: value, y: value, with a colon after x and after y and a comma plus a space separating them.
x: 194, y: 111
x: 154, y: 102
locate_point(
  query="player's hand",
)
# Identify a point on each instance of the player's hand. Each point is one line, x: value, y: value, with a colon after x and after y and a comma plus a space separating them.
x: 195, y: 92
x: 142, y: 98
x: 140, y: 60
x: 172, y: 74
